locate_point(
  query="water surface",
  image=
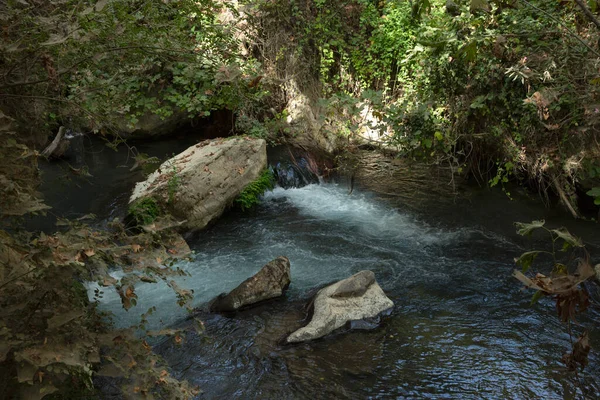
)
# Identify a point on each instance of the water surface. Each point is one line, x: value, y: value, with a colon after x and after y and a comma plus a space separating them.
x: 461, y: 328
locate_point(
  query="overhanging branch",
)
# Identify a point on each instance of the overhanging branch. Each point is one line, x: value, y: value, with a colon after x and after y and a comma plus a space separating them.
x: 588, y: 13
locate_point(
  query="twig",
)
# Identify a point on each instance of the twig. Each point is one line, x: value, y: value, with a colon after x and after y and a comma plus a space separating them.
x: 563, y: 25
x: 564, y: 199
x: 83, y: 60
x: 19, y: 277
x: 588, y: 13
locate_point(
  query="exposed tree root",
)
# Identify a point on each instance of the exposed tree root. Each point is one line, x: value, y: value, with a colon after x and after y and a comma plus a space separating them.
x: 563, y: 197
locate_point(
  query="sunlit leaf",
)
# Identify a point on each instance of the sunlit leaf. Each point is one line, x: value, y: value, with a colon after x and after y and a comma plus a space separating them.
x: 567, y: 237
x: 525, y: 229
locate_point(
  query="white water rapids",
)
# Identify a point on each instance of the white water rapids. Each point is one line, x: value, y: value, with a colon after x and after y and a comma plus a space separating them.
x: 319, y: 227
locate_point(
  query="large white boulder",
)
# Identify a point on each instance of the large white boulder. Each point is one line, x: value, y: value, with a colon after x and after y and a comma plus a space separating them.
x: 197, y: 185
x: 352, y: 299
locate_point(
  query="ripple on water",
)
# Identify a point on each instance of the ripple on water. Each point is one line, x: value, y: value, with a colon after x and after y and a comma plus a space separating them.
x: 461, y: 327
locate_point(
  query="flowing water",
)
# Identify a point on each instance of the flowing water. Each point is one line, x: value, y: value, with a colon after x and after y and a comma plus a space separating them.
x: 461, y: 327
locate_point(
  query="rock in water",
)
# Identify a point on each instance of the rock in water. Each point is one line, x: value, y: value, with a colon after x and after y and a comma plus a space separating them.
x: 355, y: 298
x: 196, y: 186
x: 355, y: 286
x: 270, y: 282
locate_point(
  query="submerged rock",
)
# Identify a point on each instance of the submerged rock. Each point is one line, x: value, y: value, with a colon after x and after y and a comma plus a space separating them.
x: 268, y: 283
x: 197, y: 185
x: 356, y: 298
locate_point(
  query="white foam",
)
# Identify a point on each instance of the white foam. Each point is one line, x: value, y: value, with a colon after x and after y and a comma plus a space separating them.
x: 358, y: 211
x: 326, y: 233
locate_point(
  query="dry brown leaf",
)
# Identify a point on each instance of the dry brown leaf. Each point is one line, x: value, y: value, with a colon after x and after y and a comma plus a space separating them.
x: 61, y: 319
x: 579, y: 356
x: 129, y: 293
x: 89, y: 252
x: 109, y: 281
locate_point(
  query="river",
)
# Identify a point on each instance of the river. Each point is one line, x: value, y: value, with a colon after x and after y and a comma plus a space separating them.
x: 462, y: 327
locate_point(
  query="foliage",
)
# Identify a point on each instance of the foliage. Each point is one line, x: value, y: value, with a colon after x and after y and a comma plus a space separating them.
x: 144, y: 211
x: 486, y: 88
x: 96, y: 63
x: 18, y: 174
x: 173, y: 184
x: 565, y: 284
x: 595, y: 193
x: 270, y: 128
x: 250, y: 196
x: 53, y: 339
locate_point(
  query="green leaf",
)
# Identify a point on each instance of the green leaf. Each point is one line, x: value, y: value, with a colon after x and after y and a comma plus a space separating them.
x: 594, y: 192
x: 525, y: 229
x: 536, y: 297
x: 439, y: 136
x: 469, y: 51
x: 569, y: 239
x: 560, y: 269
x: 526, y: 260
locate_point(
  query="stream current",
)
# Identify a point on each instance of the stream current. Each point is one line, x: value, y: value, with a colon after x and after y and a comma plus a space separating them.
x: 461, y: 327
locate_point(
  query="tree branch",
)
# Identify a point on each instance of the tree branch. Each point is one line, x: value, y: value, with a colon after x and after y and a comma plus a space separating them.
x: 588, y: 13
x: 563, y: 25
x: 72, y: 67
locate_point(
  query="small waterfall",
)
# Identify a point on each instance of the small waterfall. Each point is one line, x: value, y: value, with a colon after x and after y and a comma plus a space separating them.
x: 294, y: 175
x: 293, y: 169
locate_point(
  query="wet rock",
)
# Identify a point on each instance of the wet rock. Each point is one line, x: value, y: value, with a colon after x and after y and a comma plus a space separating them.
x: 268, y: 283
x: 355, y: 286
x: 197, y: 185
x: 355, y: 298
